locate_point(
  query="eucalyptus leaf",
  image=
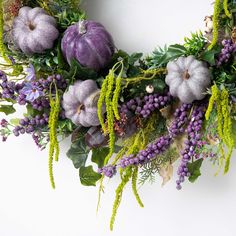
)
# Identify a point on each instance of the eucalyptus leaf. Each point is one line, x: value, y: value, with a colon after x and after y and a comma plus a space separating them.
x: 88, y: 176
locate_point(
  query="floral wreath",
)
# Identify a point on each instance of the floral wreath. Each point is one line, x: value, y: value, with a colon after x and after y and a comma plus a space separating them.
x: 136, y: 115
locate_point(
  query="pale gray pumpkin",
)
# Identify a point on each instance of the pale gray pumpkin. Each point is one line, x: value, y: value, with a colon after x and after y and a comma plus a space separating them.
x: 188, y: 79
x: 34, y: 30
x: 80, y: 103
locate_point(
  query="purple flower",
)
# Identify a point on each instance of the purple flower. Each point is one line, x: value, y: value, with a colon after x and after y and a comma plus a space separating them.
x: 31, y: 73
x: 32, y: 92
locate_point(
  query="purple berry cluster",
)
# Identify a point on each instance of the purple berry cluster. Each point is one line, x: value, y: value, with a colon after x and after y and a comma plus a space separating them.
x: 161, y: 144
x: 29, y: 125
x: 181, y: 119
x: 229, y: 48
x: 109, y: 171
x: 144, y: 156
x: 4, y: 131
x: 146, y: 105
x: 9, y: 88
x: 40, y: 139
x: 192, y: 143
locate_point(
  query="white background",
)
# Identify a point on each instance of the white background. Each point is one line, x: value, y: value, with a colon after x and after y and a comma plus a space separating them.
x: 29, y: 207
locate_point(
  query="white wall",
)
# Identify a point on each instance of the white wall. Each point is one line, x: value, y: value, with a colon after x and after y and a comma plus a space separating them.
x: 29, y: 207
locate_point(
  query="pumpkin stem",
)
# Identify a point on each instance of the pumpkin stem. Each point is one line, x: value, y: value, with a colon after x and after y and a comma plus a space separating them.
x: 81, y: 27
x: 80, y: 108
x: 31, y: 26
x: 186, y: 75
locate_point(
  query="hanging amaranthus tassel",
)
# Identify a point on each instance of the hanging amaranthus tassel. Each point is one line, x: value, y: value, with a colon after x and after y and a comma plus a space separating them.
x: 227, y: 127
x: 224, y: 124
x: 110, y: 97
x: 216, y: 16
x: 54, y: 145
x: 226, y: 9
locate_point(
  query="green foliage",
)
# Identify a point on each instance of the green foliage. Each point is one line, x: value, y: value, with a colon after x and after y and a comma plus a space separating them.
x: 7, y: 109
x: 78, y: 151
x: 194, y: 169
x: 15, y: 121
x: 99, y: 156
x: 195, y: 44
x: 210, y: 55
x: 76, y: 71
x: 30, y: 111
x: 131, y: 63
x: 88, y: 176
x: 151, y: 169
x: 160, y: 57
x: 67, y: 12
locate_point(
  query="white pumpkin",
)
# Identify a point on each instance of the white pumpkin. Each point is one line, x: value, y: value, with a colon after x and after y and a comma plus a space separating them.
x: 188, y: 79
x: 34, y: 30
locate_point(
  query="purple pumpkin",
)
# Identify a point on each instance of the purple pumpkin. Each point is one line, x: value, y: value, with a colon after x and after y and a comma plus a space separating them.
x: 89, y: 43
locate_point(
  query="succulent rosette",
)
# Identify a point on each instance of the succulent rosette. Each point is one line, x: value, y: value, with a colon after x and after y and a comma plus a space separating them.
x: 128, y: 115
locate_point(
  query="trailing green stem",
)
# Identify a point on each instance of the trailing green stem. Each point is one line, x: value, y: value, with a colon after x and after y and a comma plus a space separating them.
x: 119, y: 191
x: 134, y: 186
x: 226, y: 9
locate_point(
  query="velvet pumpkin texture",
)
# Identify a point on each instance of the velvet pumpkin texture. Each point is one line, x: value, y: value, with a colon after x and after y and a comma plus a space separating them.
x: 34, y: 30
x: 188, y: 79
x: 89, y: 43
x: 80, y: 103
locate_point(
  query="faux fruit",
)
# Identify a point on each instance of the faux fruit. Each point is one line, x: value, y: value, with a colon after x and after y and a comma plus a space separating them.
x: 80, y: 103
x: 89, y: 43
x: 34, y: 30
x: 188, y: 79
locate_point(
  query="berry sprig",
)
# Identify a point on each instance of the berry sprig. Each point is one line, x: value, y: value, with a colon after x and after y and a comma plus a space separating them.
x: 192, y: 143
x: 229, y: 48
x: 146, y: 105
x: 157, y: 147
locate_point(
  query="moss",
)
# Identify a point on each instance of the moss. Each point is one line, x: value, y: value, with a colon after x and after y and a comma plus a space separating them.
x: 54, y: 149
x: 216, y: 15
